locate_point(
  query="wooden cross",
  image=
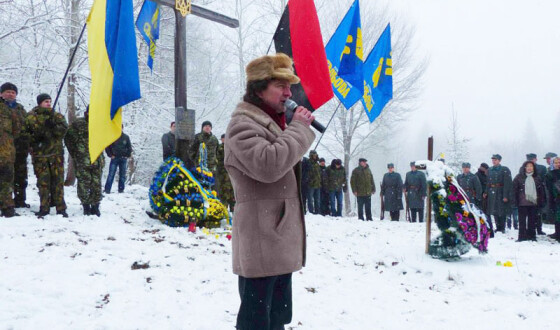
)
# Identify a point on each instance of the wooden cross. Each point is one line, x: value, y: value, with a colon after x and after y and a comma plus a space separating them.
x: 185, y: 132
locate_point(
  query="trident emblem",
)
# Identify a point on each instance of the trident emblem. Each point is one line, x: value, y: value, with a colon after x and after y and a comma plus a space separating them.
x: 183, y: 6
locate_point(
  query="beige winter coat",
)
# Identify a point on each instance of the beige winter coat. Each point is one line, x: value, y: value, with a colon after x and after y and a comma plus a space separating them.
x: 263, y: 164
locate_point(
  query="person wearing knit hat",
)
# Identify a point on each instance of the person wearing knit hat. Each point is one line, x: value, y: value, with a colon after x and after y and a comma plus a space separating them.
x: 9, y: 92
x: 46, y: 130
x: 263, y: 159
x: 9, y: 130
x: 204, y: 148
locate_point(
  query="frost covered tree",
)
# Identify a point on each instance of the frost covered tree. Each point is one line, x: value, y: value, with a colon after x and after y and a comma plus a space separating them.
x: 458, y: 151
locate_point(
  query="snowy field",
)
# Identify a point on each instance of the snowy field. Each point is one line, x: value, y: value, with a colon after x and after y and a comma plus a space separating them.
x: 76, y: 273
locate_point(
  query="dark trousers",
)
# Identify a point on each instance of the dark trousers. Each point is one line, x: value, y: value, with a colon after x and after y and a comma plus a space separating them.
x: 304, y: 192
x: 325, y: 206
x: 266, y: 302
x: 500, y: 223
x: 395, y: 215
x: 419, y: 212
x: 314, y: 200
x: 119, y: 163
x: 336, y: 203
x: 364, y: 202
x: 527, y: 222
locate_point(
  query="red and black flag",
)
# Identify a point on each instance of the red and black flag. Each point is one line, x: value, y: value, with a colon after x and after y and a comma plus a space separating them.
x: 298, y: 35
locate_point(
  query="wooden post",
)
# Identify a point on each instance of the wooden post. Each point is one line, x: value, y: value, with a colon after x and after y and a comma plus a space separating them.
x: 429, y: 208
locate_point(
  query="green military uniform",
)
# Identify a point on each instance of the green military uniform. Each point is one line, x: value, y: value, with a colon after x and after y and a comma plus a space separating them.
x: 225, y: 192
x: 46, y: 130
x: 20, y: 165
x: 9, y: 130
x: 314, y: 170
x: 210, y: 146
x: 88, y: 174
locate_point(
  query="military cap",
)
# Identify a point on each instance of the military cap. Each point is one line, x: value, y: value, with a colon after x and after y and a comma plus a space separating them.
x: 8, y: 86
x: 531, y: 156
x: 390, y: 165
x: 484, y: 165
x: 550, y: 155
x: 362, y: 160
x: 412, y: 163
x: 466, y: 165
x: 321, y: 159
x: 42, y: 97
x: 223, y: 136
x: 497, y: 156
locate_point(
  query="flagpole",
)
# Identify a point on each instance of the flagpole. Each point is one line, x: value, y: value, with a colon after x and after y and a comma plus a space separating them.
x: 68, y: 68
x: 339, y: 104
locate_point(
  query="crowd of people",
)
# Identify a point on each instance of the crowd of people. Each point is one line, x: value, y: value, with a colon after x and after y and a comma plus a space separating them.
x: 42, y: 133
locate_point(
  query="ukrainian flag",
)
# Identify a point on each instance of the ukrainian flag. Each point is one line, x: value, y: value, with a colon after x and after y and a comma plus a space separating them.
x: 113, y: 62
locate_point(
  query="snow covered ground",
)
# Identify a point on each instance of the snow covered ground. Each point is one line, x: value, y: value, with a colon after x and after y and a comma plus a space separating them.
x: 76, y: 273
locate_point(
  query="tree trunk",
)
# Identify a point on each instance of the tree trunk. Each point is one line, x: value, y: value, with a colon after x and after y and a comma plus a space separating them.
x: 347, y: 143
x: 71, y: 87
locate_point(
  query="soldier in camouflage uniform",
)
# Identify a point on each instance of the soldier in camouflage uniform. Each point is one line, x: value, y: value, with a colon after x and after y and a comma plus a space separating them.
x: 46, y: 129
x: 88, y: 174
x: 363, y: 186
x: 314, y: 185
x: 9, y: 130
x: 9, y: 92
x: 225, y: 192
x: 336, y: 184
x: 499, y: 193
x: 210, y: 146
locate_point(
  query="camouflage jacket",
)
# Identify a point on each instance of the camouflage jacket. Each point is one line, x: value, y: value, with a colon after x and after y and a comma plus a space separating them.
x: 336, y: 178
x: 46, y: 130
x: 9, y: 130
x: 77, y: 143
x: 211, y: 143
x: 314, y: 174
x: 361, y: 181
x: 22, y: 142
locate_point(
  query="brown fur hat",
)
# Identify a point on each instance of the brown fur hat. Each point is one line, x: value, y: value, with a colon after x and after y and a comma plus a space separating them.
x: 266, y: 67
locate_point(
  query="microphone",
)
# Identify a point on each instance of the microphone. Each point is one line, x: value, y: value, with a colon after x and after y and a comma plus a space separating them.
x: 291, y: 105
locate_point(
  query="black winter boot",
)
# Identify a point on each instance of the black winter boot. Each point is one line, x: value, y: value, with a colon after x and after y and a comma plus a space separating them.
x: 95, y: 210
x: 42, y: 213
x: 20, y: 204
x: 9, y: 212
x: 63, y: 213
x: 87, y: 209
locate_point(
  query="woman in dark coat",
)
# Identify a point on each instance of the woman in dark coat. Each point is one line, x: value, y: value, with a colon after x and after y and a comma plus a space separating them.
x: 528, y: 196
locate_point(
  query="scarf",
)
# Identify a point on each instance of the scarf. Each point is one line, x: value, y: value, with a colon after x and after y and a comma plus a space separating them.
x: 530, y: 189
x: 279, y: 118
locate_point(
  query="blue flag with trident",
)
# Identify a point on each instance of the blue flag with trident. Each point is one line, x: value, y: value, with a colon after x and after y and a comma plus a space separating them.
x: 345, y: 58
x: 378, y: 76
x: 148, y: 25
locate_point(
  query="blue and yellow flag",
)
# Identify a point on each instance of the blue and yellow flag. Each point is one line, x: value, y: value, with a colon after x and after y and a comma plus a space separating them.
x: 344, y: 57
x: 378, y: 76
x: 114, y: 70
x: 147, y: 23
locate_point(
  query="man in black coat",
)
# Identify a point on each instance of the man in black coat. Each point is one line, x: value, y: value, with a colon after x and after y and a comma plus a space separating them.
x: 168, y: 142
x: 325, y: 208
x: 391, y: 190
x: 415, y: 189
x: 119, y: 152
